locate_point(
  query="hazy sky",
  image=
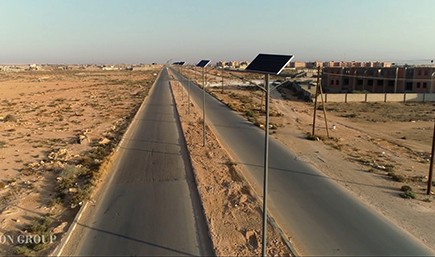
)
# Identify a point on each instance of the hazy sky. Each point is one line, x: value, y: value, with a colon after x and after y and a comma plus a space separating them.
x: 144, y: 31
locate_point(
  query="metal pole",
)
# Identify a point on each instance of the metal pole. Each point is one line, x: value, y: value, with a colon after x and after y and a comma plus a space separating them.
x: 429, y: 181
x: 188, y: 96
x: 222, y: 79
x: 182, y: 91
x: 315, y: 100
x: 266, y: 166
x: 203, y: 107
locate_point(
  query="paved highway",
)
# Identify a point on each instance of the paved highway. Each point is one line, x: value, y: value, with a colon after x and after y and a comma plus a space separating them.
x: 151, y: 206
x: 323, y: 218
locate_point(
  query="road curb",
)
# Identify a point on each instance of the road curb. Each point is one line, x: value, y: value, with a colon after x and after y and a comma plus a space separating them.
x: 64, y: 240
x: 270, y: 218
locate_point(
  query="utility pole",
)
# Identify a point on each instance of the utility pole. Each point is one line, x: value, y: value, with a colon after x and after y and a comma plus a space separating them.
x: 323, y: 104
x: 315, y: 100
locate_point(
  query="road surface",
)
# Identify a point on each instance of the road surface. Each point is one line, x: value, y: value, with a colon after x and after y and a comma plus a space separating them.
x: 323, y: 218
x: 151, y: 206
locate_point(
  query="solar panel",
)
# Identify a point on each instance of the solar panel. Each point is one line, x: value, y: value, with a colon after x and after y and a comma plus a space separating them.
x: 179, y: 63
x: 269, y: 63
x: 203, y: 63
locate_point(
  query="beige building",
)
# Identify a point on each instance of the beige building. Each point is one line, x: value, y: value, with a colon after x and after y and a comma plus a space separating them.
x: 357, y: 64
x: 297, y: 65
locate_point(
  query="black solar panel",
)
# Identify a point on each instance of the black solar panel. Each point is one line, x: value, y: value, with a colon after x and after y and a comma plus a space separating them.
x: 203, y: 63
x: 269, y: 63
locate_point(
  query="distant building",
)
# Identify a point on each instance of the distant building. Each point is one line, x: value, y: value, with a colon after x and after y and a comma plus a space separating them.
x: 379, y: 79
x: 111, y: 67
x: 34, y: 67
x: 357, y: 64
x: 313, y: 65
x: 221, y: 64
x: 297, y: 65
x: 233, y: 64
x: 13, y: 68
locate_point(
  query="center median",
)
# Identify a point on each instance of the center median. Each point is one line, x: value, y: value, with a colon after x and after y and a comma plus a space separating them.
x: 233, y: 211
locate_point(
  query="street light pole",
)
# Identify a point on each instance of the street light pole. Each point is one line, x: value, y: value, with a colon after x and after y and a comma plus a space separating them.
x: 188, y: 95
x: 222, y: 79
x: 266, y: 166
x: 202, y: 64
x: 203, y: 106
x: 267, y: 64
x: 181, y: 86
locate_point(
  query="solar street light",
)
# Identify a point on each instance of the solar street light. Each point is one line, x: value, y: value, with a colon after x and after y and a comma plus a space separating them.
x: 179, y: 71
x: 202, y: 64
x: 267, y: 64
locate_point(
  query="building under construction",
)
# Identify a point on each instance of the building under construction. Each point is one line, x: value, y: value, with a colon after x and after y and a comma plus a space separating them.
x: 379, y: 80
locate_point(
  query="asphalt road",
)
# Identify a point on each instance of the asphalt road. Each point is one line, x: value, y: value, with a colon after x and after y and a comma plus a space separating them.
x: 151, y: 206
x: 323, y: 218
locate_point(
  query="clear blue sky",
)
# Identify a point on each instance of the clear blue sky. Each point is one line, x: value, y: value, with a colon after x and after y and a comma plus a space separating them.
x: 144, y: 31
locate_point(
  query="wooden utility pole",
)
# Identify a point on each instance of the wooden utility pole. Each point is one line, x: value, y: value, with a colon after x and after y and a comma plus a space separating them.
x: 315, y: 101
x: 319, y: 88
x: 323, y: 104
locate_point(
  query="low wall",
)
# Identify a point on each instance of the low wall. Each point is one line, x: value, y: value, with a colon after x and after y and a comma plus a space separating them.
x: 375, y: 97
x: 429, y: 97
x: 415, y: 97
x: 334, y: 98
x: 396, y: 97
x: 356, y: 97
x: 387, y: 97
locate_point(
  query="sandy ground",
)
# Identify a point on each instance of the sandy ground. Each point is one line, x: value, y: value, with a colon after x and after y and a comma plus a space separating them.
x: 374, y: 150
x: 233, y: 213
x: 373, y: 159
x: 57, y: 128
